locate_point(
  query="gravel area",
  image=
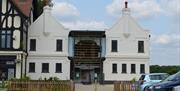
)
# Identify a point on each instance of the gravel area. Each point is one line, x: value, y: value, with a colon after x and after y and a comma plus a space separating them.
x: 93, y: 87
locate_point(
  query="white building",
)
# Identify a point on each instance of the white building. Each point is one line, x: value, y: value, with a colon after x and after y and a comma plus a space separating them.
x: 127, y: 49
x: 119, y: 53
x: 43, y: 55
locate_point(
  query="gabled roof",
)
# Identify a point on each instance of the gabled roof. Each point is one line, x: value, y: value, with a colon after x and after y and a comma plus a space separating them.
x: 47, y: 25
x: 24, y: 6
x: 127, y: 26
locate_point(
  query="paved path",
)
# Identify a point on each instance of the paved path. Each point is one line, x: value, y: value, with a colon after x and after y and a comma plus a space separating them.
x: 81, y: 87
x: 1, y: 89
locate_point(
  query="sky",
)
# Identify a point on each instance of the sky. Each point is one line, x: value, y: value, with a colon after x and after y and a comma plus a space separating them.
x: 161, y: 17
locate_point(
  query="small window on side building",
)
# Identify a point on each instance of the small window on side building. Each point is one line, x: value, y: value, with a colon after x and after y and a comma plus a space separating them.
x: 114, y: 68
x: 32, y: 44
x: 58, y: 68
x: 114, y: 44
x: 133, y: 68
x: 140, y: 46
x: 142, y: 68
x: 31, y: 67
x: 124, y: 69
x: 58, y: 45
x: 45, y: 67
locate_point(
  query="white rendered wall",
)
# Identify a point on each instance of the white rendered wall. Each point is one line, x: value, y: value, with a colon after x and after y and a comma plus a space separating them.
x: 109, y: 76
x: 127, y: 32
x: 46, y: 30
x: 65, y: 75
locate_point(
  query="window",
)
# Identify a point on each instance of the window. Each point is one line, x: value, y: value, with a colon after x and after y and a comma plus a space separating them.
x: 45, y: 67
x: 32, y: 44
x: 142, y: 77
x: 133, y: 68
x: 140, y: 46
x: 114, y: 68
x: 5, y: 39
x: 58, y: 67
x: 31, y: 67
x: 114, y: 46
x: 142, y: 68
x: 124, y: 68
x: 58, y: 45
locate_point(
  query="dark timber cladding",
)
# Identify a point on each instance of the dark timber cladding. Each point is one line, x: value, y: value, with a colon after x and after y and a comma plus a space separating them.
x: 87, y: 62
x: 87, y: 33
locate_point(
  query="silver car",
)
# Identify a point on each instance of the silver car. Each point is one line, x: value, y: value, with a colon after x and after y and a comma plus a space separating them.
x: 147, y: 80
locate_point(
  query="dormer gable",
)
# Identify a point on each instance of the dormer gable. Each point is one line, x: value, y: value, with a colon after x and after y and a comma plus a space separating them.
x: 47, y: 25
x: 126, y: 26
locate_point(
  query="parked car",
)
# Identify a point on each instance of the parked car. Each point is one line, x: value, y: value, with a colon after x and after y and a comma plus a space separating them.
x: 147, y: 80
x: 167, y: 84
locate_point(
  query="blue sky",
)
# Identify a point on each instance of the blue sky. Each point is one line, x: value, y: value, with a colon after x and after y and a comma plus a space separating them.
x: 161, y: 17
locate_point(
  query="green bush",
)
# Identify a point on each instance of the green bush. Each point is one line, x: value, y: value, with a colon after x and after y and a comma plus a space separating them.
x: 133, y: 80
x: 53, y: 79
x: 23, y: 78
x: 4, y: 85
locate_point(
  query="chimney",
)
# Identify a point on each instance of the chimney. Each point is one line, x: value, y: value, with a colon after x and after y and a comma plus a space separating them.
x: 47, y: 8
x: 126, y: 10
x: 126, y: 4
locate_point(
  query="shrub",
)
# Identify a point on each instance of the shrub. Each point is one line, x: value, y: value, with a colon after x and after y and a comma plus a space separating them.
x: 53, y: 79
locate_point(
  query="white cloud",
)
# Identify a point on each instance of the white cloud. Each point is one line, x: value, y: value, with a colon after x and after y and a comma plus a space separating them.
x: 163, y: 39
x: 65, y: 11
x: 85, y: 25
x: 172, y: 7
x: 114, y: 8
x: 140, y: 8
x: 166, y: 39
x: 69, y: 16
x: 146, y: 9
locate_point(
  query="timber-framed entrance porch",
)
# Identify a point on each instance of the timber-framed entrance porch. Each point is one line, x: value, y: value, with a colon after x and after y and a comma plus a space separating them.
x: 87, y: 73
x: 87, y: 58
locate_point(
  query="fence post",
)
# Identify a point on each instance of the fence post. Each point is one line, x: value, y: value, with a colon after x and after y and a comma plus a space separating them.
x: 123, y: 86
x: 117, y: 86
x: 72, y: 85
x: 9, y: 85
x: 95, y: 85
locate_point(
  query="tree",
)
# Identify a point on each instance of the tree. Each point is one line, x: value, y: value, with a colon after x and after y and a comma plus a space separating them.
x: 164, y: 69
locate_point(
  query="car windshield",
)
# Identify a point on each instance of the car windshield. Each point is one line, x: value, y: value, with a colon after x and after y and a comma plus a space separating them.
x: 177, y: 76
x: 158, y: 77
x: 172, y: 77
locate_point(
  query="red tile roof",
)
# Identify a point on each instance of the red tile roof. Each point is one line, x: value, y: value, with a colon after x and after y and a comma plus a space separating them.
x: 23, y: 5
